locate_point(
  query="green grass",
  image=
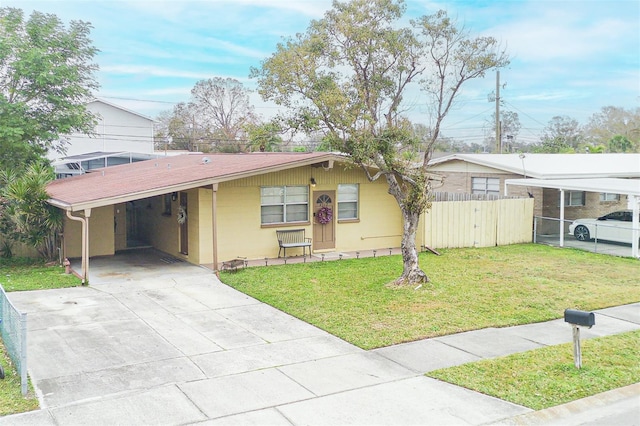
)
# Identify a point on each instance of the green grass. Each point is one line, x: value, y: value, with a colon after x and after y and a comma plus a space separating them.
x: 27, y: 274
x: 469, y: 289
x: 11, y: 399
x: 547, y: 377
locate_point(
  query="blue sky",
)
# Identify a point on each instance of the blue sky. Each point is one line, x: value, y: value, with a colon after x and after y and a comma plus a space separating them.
x: 568, y: 57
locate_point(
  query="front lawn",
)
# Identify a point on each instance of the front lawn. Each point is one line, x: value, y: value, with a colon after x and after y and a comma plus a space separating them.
x: 546, y: 377
x: 470, y: 289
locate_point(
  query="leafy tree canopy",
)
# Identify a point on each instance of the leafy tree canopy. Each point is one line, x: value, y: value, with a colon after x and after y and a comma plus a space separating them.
x: 347, y: 76
x: 264, y: 137
x: 46, y: 79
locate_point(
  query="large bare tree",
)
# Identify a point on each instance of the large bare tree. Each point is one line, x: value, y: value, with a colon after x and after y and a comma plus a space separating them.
x: 223, y: 103
x: 347, y: 75
x: 561, y: 135
x: 215, y: 118
x: 610, y: 122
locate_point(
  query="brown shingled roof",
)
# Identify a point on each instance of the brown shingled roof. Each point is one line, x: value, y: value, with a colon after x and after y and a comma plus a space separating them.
x: 128, y: 182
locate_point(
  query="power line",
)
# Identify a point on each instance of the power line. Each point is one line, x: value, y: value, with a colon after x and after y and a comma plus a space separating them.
x: 140, y: 100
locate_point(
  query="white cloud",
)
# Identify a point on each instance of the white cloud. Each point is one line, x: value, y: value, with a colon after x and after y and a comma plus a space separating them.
x: 150, y: 70
x: 567, y: 31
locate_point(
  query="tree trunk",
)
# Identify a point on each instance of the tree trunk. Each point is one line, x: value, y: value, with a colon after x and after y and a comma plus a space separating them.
x: 411, y: 272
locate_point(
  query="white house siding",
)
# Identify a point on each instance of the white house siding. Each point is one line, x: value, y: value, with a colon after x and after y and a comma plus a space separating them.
x: 118, y: 130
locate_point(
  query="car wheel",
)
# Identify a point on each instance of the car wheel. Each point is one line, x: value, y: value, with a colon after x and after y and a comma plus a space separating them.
x: 581, y: 233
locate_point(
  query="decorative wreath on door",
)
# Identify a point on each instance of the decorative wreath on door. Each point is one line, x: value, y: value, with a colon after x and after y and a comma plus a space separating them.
x: 324, y: 215
x: 182, y: 215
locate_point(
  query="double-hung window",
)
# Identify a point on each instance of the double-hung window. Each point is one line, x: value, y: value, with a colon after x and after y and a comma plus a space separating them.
x: 347, y: 201
x: 485, y: 185
x: 284, y: 204
x: 574, y: 198
x: 607, y: 196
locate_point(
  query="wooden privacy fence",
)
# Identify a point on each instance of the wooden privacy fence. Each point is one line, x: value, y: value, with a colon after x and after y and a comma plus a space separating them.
x: 475, y: 223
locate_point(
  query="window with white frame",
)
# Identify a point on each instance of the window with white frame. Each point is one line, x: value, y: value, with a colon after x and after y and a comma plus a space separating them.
x: 284, y: 204
x: 607, y: 196
x: 574, y: 198
x: 348, y: 201
x: 485, y: 185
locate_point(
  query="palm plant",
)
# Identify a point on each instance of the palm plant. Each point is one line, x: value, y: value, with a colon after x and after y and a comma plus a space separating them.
x: 34, y: 221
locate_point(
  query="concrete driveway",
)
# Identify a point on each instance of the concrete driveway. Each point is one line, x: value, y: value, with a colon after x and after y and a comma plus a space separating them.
x: 167, y: 343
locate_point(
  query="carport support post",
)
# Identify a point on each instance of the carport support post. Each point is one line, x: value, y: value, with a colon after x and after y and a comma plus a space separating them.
x: 85, y: 245
x: 561, y: 217
x: 577, y: 351
x: 214, y: 228
x: 635, y: 225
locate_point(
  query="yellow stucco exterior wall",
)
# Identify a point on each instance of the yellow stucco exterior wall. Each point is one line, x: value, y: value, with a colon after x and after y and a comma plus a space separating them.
x: 101, y: 233
x: 241, y: 234
x: 239, y: 228
x: 161, y: 230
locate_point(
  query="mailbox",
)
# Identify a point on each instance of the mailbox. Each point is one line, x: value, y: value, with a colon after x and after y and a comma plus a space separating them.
x: 585, y: 319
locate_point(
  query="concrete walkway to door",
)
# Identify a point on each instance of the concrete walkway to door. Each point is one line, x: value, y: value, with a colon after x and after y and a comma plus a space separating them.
x: 154, y: 341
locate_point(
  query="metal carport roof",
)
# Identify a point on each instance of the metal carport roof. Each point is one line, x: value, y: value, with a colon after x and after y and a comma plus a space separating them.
x: 628, y: 187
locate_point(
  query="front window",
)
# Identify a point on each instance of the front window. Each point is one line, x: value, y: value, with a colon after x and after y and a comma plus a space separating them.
x: 574, y: 198
x: 347, y: 201
x: 485, y: 185
x: 284, y: 204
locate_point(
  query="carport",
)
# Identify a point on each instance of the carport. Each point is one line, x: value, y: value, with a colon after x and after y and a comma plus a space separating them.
x: 628, y: 187
x: 160, y: 184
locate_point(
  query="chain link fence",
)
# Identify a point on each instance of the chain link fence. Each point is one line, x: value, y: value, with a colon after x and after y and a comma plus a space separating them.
x: 13, y: 329
x: 548, y: 231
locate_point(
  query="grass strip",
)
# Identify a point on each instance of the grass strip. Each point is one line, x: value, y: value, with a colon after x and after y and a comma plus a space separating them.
x: 11, y: 399
x: 547, y: 377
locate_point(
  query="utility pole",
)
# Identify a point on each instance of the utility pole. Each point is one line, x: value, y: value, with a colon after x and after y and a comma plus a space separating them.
x: 498, y: 123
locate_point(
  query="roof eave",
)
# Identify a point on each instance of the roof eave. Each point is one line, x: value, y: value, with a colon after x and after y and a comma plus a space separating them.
x: 190, y: 185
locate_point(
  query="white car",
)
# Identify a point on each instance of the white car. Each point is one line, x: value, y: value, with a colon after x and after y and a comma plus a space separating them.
x: 615, y: 226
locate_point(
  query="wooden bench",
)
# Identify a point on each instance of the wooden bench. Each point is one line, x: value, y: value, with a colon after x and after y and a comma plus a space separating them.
x: 293, y: 238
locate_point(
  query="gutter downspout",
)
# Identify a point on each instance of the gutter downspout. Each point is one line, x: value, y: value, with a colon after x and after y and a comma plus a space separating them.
x: 85, y: 242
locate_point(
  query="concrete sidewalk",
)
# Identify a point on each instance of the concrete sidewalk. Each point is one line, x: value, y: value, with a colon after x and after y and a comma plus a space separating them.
x: 180, y: 348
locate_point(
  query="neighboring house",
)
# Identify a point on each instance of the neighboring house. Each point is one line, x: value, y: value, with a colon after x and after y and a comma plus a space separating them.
x: 487, y: 173
x: 233, y: 203
x: 120, y: 136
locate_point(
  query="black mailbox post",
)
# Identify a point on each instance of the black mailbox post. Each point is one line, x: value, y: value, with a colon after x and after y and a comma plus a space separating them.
x: 578, y: 319
x: 581, y: 318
